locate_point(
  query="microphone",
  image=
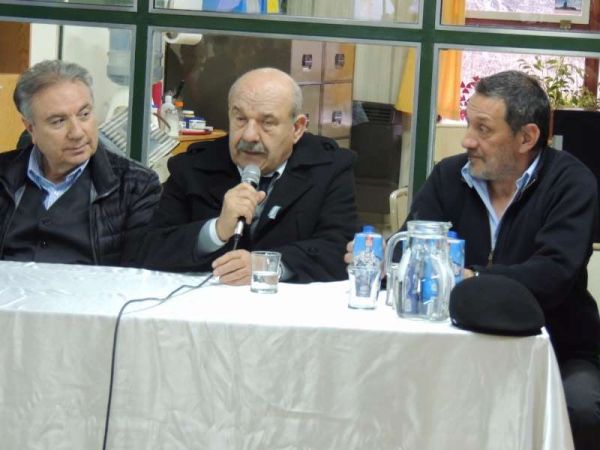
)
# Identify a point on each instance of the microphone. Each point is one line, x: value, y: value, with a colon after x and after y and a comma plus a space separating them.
x: 251, y: 176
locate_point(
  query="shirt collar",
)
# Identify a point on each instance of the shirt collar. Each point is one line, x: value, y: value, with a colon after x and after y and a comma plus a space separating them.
x: 520, y: 183
x: 528, y: 175
x: 36, y: 174
x: 277, y: 172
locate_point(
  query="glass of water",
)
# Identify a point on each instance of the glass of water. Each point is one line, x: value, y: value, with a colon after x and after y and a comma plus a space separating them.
x: 265, y: 271
x: 364, y: 287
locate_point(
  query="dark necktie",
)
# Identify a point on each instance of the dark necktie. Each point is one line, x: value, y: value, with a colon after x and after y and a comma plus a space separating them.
x: 264, y: 183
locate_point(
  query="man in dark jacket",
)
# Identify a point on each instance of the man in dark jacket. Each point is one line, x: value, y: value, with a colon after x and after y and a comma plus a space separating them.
x: 65, y: 199
x: 308, y: 208
x: 527, y: 212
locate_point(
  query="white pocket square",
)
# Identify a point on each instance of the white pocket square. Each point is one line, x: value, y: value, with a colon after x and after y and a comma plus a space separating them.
x: 273, y: 212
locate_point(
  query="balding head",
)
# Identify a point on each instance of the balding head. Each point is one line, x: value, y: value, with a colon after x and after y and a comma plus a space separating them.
x: 267, y: 78
x: 264, y: 118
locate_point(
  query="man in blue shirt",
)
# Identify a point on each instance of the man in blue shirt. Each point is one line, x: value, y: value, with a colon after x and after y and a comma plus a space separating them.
x: 65, y: 198
x: 527, y: 212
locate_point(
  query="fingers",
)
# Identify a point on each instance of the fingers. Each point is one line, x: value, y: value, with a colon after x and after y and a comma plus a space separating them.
x: 348, y: 255
x: 233, y: 268
x: 239, y: 201
x: 468, y: 273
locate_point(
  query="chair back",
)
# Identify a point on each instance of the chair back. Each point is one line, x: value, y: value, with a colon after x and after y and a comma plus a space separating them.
x: 593, y: 269
x: 398, y: 208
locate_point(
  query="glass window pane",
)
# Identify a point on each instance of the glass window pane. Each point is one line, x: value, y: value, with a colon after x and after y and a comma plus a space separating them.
x: 388, y: 11
x: 564, y: 15
x: 570, y: 81
x: 104, y: 52
x: 14, y: 58
x: 351, y: 93
x: 111, y: 3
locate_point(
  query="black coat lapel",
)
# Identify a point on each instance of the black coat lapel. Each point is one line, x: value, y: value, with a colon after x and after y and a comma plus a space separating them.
x: 295, y: 181
x: 218, y: 170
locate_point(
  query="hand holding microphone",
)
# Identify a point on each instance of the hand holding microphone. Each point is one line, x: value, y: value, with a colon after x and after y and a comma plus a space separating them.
x: 239, y: 204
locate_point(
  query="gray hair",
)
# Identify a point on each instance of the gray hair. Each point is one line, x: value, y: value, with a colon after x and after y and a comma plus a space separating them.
x: 296, y: 92
x: 525, y: 100
x: 42, y: 75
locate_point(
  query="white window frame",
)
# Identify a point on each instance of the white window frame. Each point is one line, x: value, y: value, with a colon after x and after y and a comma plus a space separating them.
x: 581, y: 19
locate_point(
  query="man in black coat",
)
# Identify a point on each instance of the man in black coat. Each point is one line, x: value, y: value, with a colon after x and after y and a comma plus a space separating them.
x: 64, y: 198
x: 527, y: 212
x: 307, y: 212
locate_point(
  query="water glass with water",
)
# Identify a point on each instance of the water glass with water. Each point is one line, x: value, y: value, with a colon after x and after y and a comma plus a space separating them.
x: 265, y: 271
x: 364, y: 286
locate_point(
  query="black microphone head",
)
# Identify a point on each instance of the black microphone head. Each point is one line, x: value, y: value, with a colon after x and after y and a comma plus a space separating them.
x: 251, y: 175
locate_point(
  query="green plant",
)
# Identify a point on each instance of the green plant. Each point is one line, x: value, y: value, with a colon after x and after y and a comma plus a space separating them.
x: 466, y: 90
x: 560, y: 79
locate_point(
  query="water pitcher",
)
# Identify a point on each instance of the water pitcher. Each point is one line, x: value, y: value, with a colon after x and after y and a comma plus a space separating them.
x: 419, y: 285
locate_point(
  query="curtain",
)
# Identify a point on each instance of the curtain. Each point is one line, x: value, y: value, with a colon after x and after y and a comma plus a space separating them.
x: 272, y: 7
x: 448, y: 104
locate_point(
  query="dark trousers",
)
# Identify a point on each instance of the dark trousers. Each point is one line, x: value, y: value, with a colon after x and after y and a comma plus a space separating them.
x: 581, y: 381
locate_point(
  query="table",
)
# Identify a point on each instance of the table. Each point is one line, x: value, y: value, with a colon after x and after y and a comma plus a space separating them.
x: 160, y: 166
x: 185, y: 140
x: 223, y: 368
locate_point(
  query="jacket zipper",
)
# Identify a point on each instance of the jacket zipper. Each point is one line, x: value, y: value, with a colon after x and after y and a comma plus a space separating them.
x: 490, y: 260
x: 94, y: 197
x: 9, y: 218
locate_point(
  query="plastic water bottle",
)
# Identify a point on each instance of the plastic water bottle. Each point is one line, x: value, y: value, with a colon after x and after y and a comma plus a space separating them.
x: 365, y: 272
x: 169, y: 113
x: 368, y: 248
x: 456, y: 253
x: 179, y: 107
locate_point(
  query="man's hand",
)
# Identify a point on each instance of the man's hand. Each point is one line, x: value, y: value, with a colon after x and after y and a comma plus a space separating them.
x: 348, y: 255
x: 233, y: 268
x: 468, y: 273
x: 239, y: 201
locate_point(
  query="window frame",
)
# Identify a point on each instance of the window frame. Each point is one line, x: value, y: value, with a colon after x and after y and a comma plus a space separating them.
x: 428, y: 34
x: 581, y: 19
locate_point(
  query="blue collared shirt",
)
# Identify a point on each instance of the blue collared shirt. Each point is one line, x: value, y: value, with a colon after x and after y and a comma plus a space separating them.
x: 482, y: 189
x: 53, y: 190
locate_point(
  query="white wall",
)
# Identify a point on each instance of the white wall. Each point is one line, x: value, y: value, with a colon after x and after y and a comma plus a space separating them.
x: 377, y: 72
x: 44, y: 43
x: 87, y: 46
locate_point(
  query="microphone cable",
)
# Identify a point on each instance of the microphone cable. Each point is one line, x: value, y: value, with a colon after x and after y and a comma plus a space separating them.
x: 160, y: 301
x: 250, y: 175
x: 236, y: 241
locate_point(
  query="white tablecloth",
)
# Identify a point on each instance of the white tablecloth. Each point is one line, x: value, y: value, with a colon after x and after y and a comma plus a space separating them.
x: 223, y: 368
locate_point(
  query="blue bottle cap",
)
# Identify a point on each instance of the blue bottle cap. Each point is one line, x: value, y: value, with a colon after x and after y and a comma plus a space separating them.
x: 368, y: 229
x: 452, y: 234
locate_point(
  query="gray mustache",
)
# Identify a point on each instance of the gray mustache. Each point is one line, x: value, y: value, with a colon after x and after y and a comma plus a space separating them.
x: 254, y: 147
